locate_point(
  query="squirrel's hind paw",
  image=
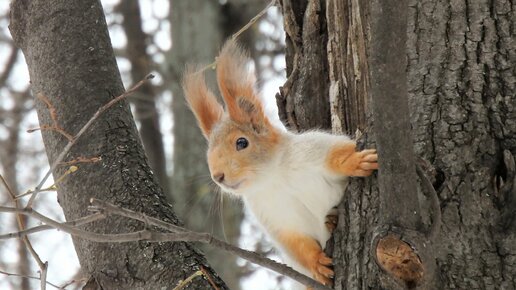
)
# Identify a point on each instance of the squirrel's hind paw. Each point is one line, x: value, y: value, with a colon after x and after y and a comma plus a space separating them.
x: 322, y: 271
x: 331, y: 220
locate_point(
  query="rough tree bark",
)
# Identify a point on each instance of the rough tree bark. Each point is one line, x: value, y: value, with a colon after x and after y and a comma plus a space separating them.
x: 461, y: 84
x: 71, y: 62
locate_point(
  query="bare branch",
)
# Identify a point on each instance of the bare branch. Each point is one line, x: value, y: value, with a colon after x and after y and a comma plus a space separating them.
x: 253, y: 20
x: 207, y: 275
x: 42, y: 266
x: 113, y: 209
x: 52, y: 128
x: 182, y: 284
x: 78, y: 222
x: 29, y: 277
x: 242, y: 30
x: 43, y: 276
x: 82, y: 159
x: 209, y: 239
x: 175, y: 234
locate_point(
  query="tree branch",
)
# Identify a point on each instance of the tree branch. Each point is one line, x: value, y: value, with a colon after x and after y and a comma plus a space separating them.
x: 175, y: 234
x: 29, y: 277
x: 42, y: 266
x: 78, y: 222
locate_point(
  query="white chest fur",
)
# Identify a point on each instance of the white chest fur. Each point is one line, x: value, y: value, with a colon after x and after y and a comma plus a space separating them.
x: 298, y: 191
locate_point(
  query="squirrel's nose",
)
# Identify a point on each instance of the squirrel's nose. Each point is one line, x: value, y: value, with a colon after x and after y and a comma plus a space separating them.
x: 219, y: 177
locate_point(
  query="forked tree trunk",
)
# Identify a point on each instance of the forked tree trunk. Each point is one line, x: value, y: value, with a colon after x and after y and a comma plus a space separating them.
x: 71, y: 62
x: 461, y: 84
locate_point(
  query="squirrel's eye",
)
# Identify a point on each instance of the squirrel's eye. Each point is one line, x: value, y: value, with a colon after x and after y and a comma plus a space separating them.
x: 241, y: 143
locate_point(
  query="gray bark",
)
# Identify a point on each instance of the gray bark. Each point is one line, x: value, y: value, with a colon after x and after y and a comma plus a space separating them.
x: 461, y: 85
x: 307, y: 67
x: 461, y: 77
x: 71, y: 61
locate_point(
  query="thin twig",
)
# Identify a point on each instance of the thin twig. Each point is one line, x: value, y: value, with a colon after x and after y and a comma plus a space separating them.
x: 240, y: 31
x: 81, y: 159
x: 52, y: 187
x: 42, y: 266
x: 208, y: 276
x: 52, y: 128
x: 73, y: 281
x: 253, y: 20
x: 43, y: 274
x: 70, y: 144
x: 53, y: 115
x: 29, y: 277
x: 182, y: 284
x: 78, y: 222
x: 29, y: 192
x: 51, y: 109
x: 113, y: 209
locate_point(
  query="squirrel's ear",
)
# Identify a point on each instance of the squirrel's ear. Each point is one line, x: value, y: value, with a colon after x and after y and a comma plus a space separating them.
x: 236, y: 83
x: 202, y: 101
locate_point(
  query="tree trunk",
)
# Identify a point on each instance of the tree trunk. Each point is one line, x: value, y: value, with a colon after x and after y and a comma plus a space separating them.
x: 461, y: 85
x: 71, y: 62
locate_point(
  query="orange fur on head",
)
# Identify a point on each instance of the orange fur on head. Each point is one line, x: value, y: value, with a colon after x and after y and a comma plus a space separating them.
x: 236, y: 83
x: 201, y: 100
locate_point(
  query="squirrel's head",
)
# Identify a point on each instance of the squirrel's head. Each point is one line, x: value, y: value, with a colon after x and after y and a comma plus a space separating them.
x: 242, y: 141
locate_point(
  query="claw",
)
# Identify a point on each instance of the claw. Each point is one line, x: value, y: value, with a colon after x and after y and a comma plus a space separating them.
x: 331, y: 220
x: 321, y: 271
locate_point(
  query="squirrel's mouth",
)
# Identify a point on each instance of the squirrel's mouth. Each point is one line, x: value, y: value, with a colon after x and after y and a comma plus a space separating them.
x: 232, y: 186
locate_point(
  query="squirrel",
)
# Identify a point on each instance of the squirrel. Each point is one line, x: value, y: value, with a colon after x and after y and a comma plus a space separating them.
x: 289, y: 181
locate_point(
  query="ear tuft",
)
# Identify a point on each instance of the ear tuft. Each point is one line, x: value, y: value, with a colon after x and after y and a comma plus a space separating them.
x: 235, y: 79
x: 236, y: 83
x: 246, y: 106
x: 202, y: 101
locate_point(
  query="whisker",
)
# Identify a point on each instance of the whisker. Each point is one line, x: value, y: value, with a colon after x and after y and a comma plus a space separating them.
x: 221, y: 212
x: 211, y: 212
x: 198, y: 178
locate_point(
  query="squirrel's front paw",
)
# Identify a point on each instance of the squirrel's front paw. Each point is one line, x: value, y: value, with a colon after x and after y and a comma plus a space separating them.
x: 367, y: 161
x: 321, y: 269
x: 345, y: 160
